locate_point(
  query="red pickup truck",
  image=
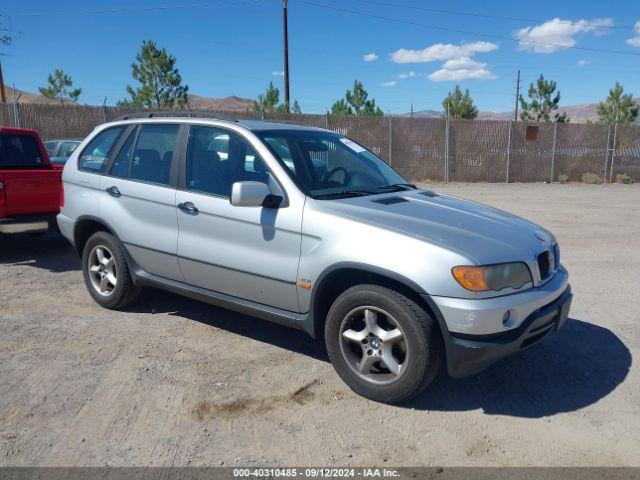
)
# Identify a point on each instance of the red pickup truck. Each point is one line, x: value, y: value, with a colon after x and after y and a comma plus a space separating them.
x: 30, y: 187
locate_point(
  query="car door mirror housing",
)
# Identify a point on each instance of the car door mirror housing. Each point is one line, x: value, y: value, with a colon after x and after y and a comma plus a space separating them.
x: 254, y: 194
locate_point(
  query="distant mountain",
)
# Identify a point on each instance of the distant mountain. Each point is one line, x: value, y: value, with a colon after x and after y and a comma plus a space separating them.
x: 233, y: 103
x: 26, y: 97
x: 581, y: 113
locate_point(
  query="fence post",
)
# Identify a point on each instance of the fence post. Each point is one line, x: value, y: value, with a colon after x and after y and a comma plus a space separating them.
x: 553, y: 152
x: 613, y: 150
x: 446, y: 149
x: 390, y: 140
x: 508, y: 150
x: 606, y: 154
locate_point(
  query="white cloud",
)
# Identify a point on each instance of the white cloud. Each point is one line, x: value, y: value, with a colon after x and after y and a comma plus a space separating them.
x: 391, y: 83
x: 370, y: 57
x: 409, y: 74
x: 558, y: 34
x: 278, y: 74
x: 583, y: 62
x: 446, y: 75
x: 635, y: 41
x: 441, y: 52
x: 458, y: 63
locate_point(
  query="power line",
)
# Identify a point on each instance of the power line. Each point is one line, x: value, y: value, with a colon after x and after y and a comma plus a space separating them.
x: 139, y: 9
x: 497, y: 17
x: 466, y: 32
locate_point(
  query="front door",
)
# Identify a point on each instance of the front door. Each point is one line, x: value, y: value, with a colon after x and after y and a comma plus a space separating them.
x: 248, y: 252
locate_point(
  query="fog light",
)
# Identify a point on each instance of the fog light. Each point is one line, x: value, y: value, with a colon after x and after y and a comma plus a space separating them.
x: 505, y: 318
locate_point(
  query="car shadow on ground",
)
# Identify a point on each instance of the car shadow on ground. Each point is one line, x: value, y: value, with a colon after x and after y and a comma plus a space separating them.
x: 51, y: 252
x: 569, y: 370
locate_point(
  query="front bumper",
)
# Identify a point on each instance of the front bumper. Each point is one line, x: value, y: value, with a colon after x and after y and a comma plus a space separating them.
x: 469, y: 354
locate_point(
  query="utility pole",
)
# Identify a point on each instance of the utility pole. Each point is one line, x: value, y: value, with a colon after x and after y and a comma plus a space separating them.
x: 517, y: 96
x: 412, y: 110
x: 3, y: 96
x: 286, y: 53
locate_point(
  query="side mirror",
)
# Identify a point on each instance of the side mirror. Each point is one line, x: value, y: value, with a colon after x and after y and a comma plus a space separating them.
x: 253, y: 194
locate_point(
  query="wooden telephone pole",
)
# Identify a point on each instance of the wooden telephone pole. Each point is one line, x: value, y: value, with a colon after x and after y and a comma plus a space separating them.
x: 3, y: 96
x: 515, y: 119
x: 286, y: 53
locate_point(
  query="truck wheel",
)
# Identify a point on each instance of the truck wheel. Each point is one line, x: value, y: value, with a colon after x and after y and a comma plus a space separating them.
x: 106, y: 273
x: 383, y: 345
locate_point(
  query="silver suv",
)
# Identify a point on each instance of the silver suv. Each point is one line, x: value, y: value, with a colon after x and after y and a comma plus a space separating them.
x: 305, y: 227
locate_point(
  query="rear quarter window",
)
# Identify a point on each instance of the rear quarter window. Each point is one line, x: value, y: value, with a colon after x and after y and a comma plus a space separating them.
x: 19, y: 149
x: 95, y: 155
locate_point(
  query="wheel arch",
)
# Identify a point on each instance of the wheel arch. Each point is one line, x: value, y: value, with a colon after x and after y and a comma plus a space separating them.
x: 85, y: 227
x: 336, y: 279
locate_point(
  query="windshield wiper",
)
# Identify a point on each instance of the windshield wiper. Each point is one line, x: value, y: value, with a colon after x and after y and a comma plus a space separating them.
x: 344, y: 194
x: 397, y: 187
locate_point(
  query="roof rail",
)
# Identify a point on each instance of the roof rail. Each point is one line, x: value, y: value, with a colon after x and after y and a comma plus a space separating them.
x: 176, y: 113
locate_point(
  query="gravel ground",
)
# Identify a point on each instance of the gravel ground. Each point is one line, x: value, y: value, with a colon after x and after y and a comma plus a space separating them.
x: 173, y: 381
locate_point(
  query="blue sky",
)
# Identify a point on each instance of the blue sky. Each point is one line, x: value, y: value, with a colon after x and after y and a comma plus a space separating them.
x: 234, y: 47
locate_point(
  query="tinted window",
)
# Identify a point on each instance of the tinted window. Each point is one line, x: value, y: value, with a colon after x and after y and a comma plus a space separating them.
x: 216, y: 159
x: 50, y: 147
x: 18, y: 149
x: 153, y: 153
x: 120, y: 167
x: 95, y: 155
x: 67, y: 148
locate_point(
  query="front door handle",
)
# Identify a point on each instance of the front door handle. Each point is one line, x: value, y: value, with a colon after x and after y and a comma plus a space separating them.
x: 188, y: 207
x: 113, y: 191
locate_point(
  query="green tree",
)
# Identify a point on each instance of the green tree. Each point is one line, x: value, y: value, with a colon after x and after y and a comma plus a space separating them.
x: 60, y: 87
x: 356, y: 102
x: 270, y: 102
x: 459, y: 105
x: 160, y: 82
x: 341, y: 108
x: 544, y: 101
x: 619, y: 107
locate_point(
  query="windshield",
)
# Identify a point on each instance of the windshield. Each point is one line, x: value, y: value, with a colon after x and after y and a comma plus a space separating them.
x: 329, y: 165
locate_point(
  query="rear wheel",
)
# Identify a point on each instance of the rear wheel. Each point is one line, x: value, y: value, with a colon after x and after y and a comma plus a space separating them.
x: 106, y: 273
x: 382, y: 344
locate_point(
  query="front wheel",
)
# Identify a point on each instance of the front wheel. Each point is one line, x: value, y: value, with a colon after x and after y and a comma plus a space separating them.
x: 106, y: 273
x: 382, y: 344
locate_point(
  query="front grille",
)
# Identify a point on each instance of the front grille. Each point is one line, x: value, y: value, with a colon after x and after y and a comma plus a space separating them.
x: 544, y: 264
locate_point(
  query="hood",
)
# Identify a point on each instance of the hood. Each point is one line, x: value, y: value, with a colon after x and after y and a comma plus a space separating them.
x: 485, y: 234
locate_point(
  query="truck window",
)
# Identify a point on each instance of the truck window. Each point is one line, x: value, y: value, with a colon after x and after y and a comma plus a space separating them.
x: 19, y: 149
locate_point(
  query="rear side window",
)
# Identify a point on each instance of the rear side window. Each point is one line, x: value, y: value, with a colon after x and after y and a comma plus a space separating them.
x: 50, y: 147
x: 153, y: 153
x: 96, y: 155
x: 67, y: 148
x: 19, y: 149
x: 121, y: 165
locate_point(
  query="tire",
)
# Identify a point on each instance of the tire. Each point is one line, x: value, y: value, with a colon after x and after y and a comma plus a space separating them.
x: 118, y: 294
x: 418, y: 355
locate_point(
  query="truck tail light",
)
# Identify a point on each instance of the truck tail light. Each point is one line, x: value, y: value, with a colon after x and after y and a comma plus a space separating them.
x: 61, y: 195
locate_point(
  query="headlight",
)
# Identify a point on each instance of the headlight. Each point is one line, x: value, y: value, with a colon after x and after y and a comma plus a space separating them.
x: 492, y: 277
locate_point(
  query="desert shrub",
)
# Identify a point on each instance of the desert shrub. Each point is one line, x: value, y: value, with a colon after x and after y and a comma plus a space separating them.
x: 592, y: 178
x: 623, y: 178
x: 562, y: 177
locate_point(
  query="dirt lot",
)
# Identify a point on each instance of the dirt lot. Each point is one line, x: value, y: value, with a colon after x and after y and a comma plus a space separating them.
x: 176, y: 382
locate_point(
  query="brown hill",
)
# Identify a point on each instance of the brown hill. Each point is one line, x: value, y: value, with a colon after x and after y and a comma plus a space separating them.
x: 26, y: 97
x: 233, y: 103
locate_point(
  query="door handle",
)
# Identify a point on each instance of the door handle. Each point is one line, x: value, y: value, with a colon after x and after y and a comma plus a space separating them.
x: 113, y: 191
x: 188, y: 207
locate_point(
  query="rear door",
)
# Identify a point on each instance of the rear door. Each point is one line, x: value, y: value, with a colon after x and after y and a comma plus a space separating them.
x: 29, y: 183
x: 138, y: 197
x: 248, y: 252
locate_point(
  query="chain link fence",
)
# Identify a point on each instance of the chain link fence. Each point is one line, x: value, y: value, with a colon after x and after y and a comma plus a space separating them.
x: 420, y: 149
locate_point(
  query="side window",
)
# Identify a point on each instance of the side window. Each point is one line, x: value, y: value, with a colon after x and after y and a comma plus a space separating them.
x: 96, y: 154
x: 153, y: 153
x: 50, y: 147
x: 217, y: 158
x: 120, y: 167
x: 67, y: 148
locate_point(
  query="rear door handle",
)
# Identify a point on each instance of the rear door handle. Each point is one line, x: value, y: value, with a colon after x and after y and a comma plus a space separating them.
x: 188, y: 207
x: 113, y: 191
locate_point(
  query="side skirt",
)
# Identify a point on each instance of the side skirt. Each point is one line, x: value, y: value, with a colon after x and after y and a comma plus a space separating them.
x: 142, y: 278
